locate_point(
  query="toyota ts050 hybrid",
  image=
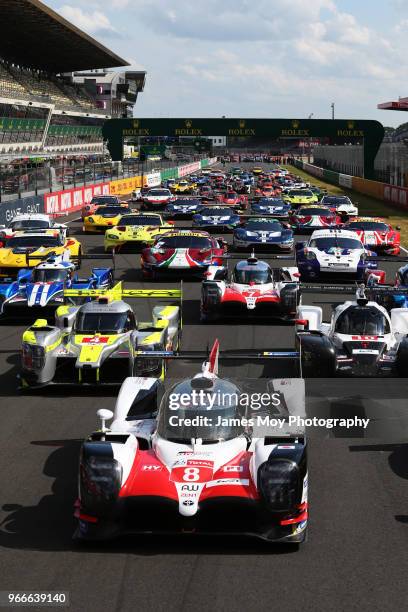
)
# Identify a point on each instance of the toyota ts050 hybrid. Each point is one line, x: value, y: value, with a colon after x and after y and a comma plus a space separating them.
x: 362, y: 338
x: 97, y: 343
x: 202, y: 468
x: 254, y: 290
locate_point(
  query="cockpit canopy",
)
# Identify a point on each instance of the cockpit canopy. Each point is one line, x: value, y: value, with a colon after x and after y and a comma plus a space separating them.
x: 362, y: 321
x: 252, y: 273
x: 185, y: 406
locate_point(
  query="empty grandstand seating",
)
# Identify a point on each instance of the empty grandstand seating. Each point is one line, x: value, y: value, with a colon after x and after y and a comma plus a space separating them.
x: 18, y: 82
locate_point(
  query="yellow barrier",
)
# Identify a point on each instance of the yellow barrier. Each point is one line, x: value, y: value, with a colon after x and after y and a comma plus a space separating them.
x: 371, y: 188
x: 125, y: 186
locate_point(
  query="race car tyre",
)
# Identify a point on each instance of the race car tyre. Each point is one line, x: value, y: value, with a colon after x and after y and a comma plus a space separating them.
x: 402, y: 358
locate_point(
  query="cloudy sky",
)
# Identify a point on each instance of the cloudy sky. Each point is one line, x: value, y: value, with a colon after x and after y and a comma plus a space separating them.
x: 280, y: 58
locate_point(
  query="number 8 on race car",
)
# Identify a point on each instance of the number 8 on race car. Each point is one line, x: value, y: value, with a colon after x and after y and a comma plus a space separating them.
x: 191, y: 474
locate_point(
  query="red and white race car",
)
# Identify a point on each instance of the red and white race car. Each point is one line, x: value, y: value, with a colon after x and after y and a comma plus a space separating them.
x: 182, y: 253
x: 203, y: 466
x: 156, y: 198
x: 254, y: 290
x: 233, y: 199
x: 376, y: 234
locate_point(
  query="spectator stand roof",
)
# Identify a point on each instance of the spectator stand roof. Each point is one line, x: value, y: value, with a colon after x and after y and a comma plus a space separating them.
x: 34, y: 36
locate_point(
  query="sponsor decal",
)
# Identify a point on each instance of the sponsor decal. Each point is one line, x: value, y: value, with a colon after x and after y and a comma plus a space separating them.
x: 243, y: 482
x: 71, y: 200
x: 96, y: 340
x: 233, y: 468
x: 151, y: 468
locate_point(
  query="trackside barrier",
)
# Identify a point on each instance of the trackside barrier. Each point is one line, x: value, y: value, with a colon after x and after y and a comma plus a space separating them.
x: 8, y: 210
x: 71, y: 200
x: 397, y: 196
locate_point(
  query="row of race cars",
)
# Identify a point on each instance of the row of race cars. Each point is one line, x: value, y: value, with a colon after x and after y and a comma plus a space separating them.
x: 197, y: 467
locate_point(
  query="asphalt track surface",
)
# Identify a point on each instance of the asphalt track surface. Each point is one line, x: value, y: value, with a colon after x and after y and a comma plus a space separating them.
x: 356, y: 554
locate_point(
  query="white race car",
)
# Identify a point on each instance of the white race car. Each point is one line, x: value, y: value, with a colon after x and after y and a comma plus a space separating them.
x: 336, y: 254
x: 28, y: 222
x: 340, y: 204
x: 201, y: 467
x: 362, y: 339
x: 156, y: 198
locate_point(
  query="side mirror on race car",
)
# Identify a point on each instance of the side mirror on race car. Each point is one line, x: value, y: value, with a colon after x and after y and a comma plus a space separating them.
x: 104, y: 415
x: 303, y: 322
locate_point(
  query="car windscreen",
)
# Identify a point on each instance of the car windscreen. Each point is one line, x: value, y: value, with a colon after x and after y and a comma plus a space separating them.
x: 271, y: 202
x: 303, y: 193
x: 158, y: 192
x: 33, y: 241
x: 216, y: 212
x: 362, y: 320
x: 251, y: 274
x: 375, y: 226
x: 185, y: 202
x: 29, y: 224
x: 333, y: 242
x: 105, y: 200
x: 310, y: 212
x: 267, y: 226
x: 109, y: 210
x: 50, y: 275
x: 184, y: 242
x: 139, y: 220
x: 335, y: 201
x: 180, y: 408
x: 105, y: 323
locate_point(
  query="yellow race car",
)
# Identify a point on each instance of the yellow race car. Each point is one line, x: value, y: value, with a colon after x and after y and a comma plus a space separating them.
x: 103, y: 218
x: 136, y: 230
x: 183, y: 187
x: 19, y: 250
x: 299, y: 197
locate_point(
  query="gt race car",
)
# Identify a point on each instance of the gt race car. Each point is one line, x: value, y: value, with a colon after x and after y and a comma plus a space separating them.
x: 259, y: 232
x: 299, y: 197
x: 96, y: 343
x: 309, y: 218
x: 103, y: 218
x: 340, y: 204
x: 362, y: 339
x: 28, y: 222
x: 182, y: 253
x: 185, y: 187
x: 376, y: 234
x: 156, y: 198
x: 233, y: 199
x: 183, y: 208
x: 135, y: 231
x: 275, y: 207
x: 28, y: 249
x: 42, y: 288
x: 336, y: 255
x: 253, y: 290
x: 218, y: 218
x: 103, y: 200
x: 196, y: 469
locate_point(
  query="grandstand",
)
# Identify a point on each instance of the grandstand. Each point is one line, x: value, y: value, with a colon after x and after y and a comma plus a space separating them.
x: 55, y: 88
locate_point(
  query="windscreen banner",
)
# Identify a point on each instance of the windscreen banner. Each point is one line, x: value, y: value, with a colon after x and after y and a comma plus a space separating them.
x: 71, y: 200
x: 8, y: 210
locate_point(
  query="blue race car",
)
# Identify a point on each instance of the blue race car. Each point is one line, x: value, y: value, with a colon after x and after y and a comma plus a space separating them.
x: 220, y: 218
x: 43, y: 286
x: 390, y: 296
x: 263, y: 233
x: 271, y: 206
x: 183, y: 208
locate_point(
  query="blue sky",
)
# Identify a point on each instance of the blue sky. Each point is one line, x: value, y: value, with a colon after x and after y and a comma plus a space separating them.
x: 286, y: 58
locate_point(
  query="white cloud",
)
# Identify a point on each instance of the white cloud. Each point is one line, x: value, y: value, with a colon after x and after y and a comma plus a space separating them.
x: 93, y: 23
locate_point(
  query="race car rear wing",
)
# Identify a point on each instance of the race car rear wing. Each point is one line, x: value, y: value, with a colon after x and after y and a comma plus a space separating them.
x: 226, y: 355
x: 118, y: 292
x: 54, y: 257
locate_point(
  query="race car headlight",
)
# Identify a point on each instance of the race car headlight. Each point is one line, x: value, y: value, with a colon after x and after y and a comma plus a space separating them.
x: 287, y: 239
x: 90, y: 220
x: 363, y: 257
x: 100, y: 477
x: 112, y: 236
x: 310, y: 255
x: 279, y: 484
x: 33, y: 357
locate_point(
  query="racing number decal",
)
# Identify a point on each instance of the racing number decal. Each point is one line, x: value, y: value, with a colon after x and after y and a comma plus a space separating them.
x: 192, y: 470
